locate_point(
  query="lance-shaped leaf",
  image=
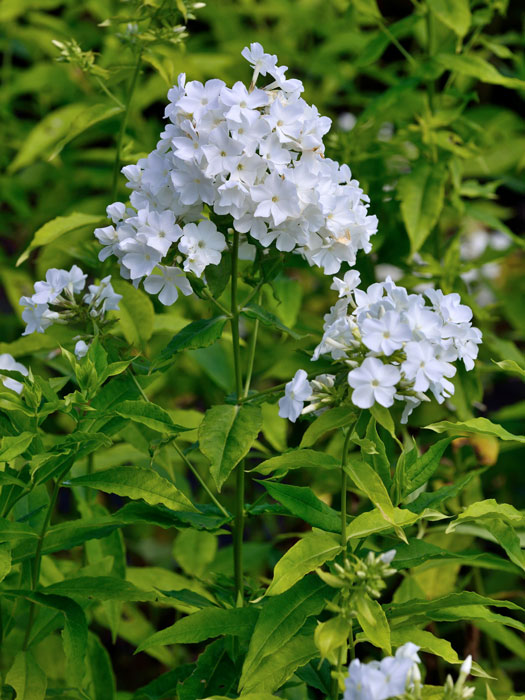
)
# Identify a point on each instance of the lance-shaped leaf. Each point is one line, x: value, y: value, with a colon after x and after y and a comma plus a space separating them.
x: 268, y: 319
x: 100, y: 588
x: 11, y: 447
x: 148, y: 414
x: 329, y: 420
x: 136, y: 483
x: 198, y: 334
x: 476, y: 67
x: 296, y: 459
x: 371, y: 483
x: 302, y: 502
x: 413, y: 471
x: 421, y: 193
x: 226, y: 435
x: 280, y: 619
x: 454, y: 13
x: 311, y: 551
x: 373, y: 621
x: 477, y: 426
x: 27, y: 678
x: 205, y: 624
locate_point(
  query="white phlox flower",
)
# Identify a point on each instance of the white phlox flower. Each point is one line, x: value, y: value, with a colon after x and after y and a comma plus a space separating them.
x: 202, y: 244
x: 69, y: 304
x: 8, y: 362
x: 81, y: 348
x: 253, y: 154
x: 389, y: 345
x: 167, y: 284
x: 379, y: 680
x: 297, y: 392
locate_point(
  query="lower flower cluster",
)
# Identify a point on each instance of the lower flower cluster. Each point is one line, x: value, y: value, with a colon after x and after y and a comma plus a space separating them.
x: 399, y: 677
x: 386, y: 344
x: 57, y: 300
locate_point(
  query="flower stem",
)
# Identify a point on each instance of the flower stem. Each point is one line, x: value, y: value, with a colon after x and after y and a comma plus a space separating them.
x: 238, y: 532
x: 123, y: 124
x: 344, y: 481
x: 37, y: 562
x: 251, y: 352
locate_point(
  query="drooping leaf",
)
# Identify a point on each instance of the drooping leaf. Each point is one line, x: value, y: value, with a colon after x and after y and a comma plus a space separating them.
x: 421, y: 193
x: 55, y: 228
x: 303, y: 503
x: 11, y: 447
x: 99, y: 588
x: 136, y: 483
x: 226, y: 435
x: 102, y: 678
x: 88, y: 117
x: 478, y: 426
x: 296, y: 459
x: 148, y: 414
x: 135, y: 312
x: 268, y: 319
x: 311, y: 551
x: 198, y: 334
x: 329, y: 420
x: 205, y: 624
x: 476, y: 67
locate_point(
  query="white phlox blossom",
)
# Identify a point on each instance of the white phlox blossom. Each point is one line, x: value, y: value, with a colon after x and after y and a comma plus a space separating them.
x: 254, y: 154
x: 380, y: 680
x: 8, y: 362
x: 296, y: 393
x: 387, y: 344
x: 60, y: 299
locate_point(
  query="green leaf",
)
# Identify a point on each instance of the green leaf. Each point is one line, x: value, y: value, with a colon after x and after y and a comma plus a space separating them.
x: 304, y: 504
x: 281, y: 619
x: 5, y: 560
x: 194, y: 550
x: 13, y: 531
x: 452, y: 600
x: 329, y: 420
x: 511, y: 366
x: 434, y: 498
x: 91, y: 115
x: 454, y: 13
x: 297, y: 459
x: 311, y: 551
x: 491, y: 509
x: 27, y: 678
x: 136, y: 313
x: 371, y: 483
x: 276, y: 669
x: 102, y: 678
x: 43, y: 137
x: 330, y: 636
x: 268, y: 319
x: 99, y: 588
x: 476, y: 67
x: 205, y: 624
x: 135, y: 483
x: 431, y: 644
x: 11, y: 447
x: 226, y: 435
x: 421, y: 193
x: 416, y: 472
x: 373, y: 621
x: 375, y: 48
x: 148, y: 414
x: 58, y: 227
x: 378, y: 459
x: 198, y: 334
x: 478, y: 426
x: 373, y: 521
x: 213, y: 673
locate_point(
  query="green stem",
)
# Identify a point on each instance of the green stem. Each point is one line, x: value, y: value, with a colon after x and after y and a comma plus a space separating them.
x: 37, y: 562
x: 216, y: 303
x: 430, y: 49
x: 238, y: 533
x: 386, y: 31
x: 123, y: 124
x: 251, y: 352
x: 344, y: 483
x: 109, y: 93
x: 199, y: 479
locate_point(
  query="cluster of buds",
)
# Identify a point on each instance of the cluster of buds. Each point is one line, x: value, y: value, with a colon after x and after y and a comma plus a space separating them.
x: 458, y: 690
x: 361, y: 575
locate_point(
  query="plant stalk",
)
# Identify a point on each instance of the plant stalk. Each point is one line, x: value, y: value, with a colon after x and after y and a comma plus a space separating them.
x: 238, y: 532
x: 124, y: 123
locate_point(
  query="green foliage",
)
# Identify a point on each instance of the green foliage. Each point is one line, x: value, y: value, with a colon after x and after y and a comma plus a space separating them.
x: 129, y: 518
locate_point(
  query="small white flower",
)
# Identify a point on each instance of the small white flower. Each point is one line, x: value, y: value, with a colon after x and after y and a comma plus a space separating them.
x: 139, y: 258
x: 9, y: 363
x: 81, y: 349
x: 261, y: 62
x: 37, y: 317
x: 297, y: 392
x: 168, y: 284
x: 47, y: 292
x: 386, y: 334
x: 202, y: 244
x: 373, y: 382
x: 346, y: 286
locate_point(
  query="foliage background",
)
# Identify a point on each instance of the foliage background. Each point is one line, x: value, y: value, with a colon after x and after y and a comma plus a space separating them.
x: 59, y: 133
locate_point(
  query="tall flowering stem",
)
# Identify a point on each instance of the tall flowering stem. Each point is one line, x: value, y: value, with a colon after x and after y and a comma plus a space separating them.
x: 239, y: 472
x: 344, y: 484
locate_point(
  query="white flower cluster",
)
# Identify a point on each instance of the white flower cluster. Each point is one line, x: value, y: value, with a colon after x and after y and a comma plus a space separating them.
x: 396, y: 346
x: 480, y: 279
x: 253, y: 154
x: 399, y: 676
x: 389, y: 678
x: 8, y: 362
x: 54, y: 299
